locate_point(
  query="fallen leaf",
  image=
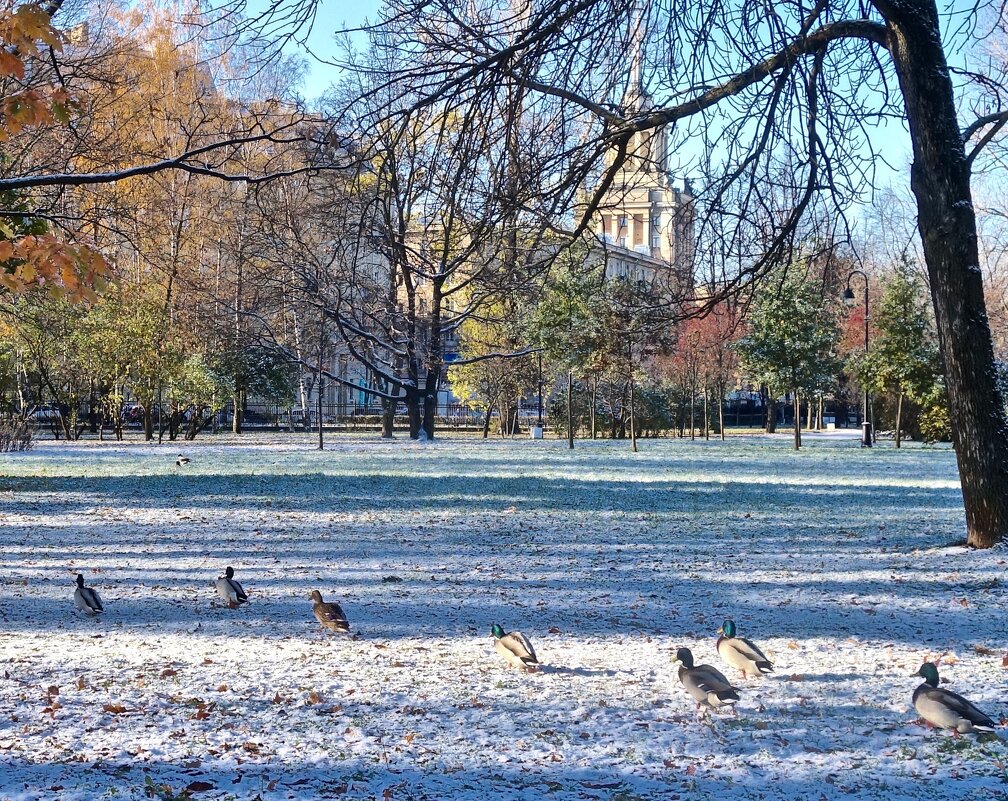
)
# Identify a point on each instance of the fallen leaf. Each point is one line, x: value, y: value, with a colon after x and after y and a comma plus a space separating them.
x: 114, y: 709
x: 314, y: 697
x: 168, y: 672
x: 691, y: 770
x: 796, y: 677
x: 199, y: 787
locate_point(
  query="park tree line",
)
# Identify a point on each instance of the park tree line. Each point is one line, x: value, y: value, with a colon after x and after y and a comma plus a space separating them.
x: 451, y: 177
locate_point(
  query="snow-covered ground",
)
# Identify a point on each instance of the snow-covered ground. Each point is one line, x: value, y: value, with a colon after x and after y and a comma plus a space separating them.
x: 837, y: 560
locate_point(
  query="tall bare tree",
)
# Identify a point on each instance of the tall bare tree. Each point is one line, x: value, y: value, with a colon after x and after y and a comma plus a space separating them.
x: 744, y: 88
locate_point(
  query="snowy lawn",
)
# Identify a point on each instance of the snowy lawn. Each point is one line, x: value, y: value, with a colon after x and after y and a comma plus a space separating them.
x: 836, y: 560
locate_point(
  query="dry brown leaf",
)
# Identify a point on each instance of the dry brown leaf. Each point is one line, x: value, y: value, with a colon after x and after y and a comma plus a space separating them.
x: 314, y: 697
x: 114, y: 709
x: 199, y: 787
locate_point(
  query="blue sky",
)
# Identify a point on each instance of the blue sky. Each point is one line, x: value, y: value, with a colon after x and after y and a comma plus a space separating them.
x: 333, y: 15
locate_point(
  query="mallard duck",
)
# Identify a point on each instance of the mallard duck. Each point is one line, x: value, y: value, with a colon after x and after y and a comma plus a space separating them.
x: 330, y: 614
x: 706, y: 684
x: 740, y: 653
x: 515, y: 648
x: 181, y: 461
x: 230, y: 590
x: 86, y: 599
x: 946, y: 709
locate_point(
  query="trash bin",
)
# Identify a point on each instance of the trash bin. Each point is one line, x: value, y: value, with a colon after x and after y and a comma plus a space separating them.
x: 536, y: 432
x: 866, y: 434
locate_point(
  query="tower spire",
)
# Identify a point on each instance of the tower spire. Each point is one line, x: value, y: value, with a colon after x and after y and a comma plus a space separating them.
x: 636, y: 97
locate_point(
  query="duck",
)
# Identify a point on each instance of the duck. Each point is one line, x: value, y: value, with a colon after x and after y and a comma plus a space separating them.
x: 515, y: 648
x: 706, y: 684
x: 740, y: 653
x: 86, y: 598
x: 329, y: 614
x: 230, y: 590
x: 182, y: 461
x: 945, y: 709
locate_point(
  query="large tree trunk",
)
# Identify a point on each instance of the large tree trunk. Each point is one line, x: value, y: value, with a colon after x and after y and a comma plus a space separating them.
x: 593, y: 399
x: 940, y: 179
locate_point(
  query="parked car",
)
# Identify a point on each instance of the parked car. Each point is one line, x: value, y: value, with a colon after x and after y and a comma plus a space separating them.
x: 46, y: 414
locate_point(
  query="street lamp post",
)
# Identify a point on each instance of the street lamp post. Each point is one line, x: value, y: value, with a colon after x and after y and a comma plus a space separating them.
x: 540, y: 390
x: 848, y: 296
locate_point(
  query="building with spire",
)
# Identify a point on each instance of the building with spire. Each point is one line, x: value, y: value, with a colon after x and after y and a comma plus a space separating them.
x: 644, y: 220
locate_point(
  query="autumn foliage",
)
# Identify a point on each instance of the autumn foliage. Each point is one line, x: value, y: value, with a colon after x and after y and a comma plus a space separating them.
x: 31, y: 258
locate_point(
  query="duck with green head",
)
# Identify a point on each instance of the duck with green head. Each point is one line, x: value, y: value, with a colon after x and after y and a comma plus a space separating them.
x: 707, y: 685
x: 230, y: 590
x: 945, y: 709
x: 740, y: 653
x: 515, y: 648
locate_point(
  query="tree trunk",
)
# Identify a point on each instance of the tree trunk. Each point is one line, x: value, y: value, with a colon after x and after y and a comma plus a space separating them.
x: 486, y: 421
x: 706, y: 415
x: 570, y: 409
x: 692, y: 414
x: 809, y: 410
x: 720, y: 407
x: 413, y: 413
x: 633, y: 421
x: 940, y: 180
x: 771, y: 415
x: 388, y: 418
x: 593, y: 398
x: 797, y: 422
x: 899, y: 416
x: 236, y: 416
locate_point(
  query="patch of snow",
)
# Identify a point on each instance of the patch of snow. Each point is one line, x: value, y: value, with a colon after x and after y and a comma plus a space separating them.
x: 832, y: 559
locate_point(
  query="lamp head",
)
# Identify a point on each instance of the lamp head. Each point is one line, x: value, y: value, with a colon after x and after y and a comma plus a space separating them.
x: 848, y: 296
